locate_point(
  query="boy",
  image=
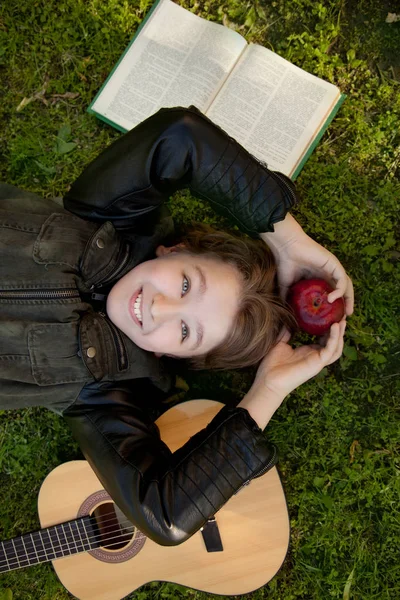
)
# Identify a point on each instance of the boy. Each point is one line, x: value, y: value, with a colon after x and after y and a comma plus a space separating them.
x: 60, y: 349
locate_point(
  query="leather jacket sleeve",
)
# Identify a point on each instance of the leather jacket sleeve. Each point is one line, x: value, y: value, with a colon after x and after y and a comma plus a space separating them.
x: 173, y: 149
x: 168, y: 496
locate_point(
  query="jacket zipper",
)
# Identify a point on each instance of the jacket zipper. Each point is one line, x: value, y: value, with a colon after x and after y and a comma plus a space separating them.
x: 117, y: 271
x: 39, y: 295
x: 285, y: 185
x: 119, y: 344
x: 261, y: 471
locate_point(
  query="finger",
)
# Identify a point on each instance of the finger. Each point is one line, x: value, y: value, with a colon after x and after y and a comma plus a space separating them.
x: 283, y: 291
x: 322, y: 340
x: 284, y: 335
x: 332, y: 344
x: 344, y: 288
x: 349, y: 297
x: 339, y: 349
x: 287, y: 276
x: 338, y: 275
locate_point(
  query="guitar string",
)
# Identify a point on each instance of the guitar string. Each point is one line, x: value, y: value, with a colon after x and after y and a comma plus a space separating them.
x: 125, y: 530
x: 122, y: 532
x: 101, y: 520
x: 42, y: 555
x: 69, y: 545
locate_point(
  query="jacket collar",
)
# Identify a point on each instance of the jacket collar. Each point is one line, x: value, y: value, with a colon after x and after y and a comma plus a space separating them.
x: 106, y: 351
x: 110, y: 354
x: 110, y: 254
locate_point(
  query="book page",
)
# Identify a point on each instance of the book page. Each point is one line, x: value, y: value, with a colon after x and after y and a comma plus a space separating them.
x: 177, y: 59
x: 273, y: 108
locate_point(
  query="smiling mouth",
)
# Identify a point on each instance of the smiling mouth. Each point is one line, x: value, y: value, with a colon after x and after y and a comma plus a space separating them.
x: 135, y: 307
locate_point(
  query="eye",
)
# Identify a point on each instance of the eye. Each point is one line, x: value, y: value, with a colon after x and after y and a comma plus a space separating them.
x: 185, y: 331
x: 185, y: 285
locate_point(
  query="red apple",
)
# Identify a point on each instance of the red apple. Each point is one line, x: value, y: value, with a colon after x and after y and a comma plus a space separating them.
x: 309, y: 301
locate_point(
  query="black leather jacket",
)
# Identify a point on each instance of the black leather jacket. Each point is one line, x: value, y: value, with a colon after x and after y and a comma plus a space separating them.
x: 169, y: 496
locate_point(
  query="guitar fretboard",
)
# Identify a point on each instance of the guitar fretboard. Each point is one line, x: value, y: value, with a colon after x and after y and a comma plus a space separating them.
x: 47, y: 544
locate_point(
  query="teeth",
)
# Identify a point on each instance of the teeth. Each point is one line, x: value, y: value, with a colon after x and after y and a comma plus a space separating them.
x: 136, y: 308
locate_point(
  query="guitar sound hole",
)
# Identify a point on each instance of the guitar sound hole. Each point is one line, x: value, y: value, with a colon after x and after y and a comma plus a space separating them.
x: 118, y: 539
x: 114, y: 529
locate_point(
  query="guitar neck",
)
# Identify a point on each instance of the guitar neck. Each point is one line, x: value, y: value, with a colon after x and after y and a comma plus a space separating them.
x: 48, y: 544
x: 100, y: 543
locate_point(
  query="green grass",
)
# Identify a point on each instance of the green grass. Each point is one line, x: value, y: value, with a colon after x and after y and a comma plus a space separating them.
x: 338, y: 435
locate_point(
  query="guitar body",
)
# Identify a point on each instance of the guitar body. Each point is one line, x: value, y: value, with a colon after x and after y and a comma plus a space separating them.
x: 253, y: 526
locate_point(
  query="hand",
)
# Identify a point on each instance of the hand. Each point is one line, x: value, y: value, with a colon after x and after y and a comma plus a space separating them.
x: 286, y: 368
x: 298, y: 256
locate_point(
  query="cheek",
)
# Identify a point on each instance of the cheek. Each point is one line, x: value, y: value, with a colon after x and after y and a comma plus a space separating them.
x: 114, y: 304
x: 163, y: 339
x: 123, y: 289
x: 157, y: 275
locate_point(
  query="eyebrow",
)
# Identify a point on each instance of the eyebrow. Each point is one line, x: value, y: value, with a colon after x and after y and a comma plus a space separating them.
x: 203, y: 284
x: 202, y: 291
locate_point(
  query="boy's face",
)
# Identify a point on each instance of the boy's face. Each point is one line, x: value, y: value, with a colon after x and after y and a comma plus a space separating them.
x: 178, y: 304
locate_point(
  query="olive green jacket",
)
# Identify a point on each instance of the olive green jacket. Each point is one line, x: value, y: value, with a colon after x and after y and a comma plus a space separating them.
x: 54, y: 335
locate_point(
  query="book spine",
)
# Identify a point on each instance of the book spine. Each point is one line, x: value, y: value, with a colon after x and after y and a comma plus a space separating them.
x: 318, y: 137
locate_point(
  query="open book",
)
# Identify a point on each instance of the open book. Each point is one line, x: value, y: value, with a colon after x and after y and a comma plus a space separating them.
x: 277, y: 111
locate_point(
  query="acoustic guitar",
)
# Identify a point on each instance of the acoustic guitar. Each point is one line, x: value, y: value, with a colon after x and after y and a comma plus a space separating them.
x: 99, y: 555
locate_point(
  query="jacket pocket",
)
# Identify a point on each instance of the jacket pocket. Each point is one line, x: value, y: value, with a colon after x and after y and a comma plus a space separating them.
x: 54, y: 354
x: 62, y: 240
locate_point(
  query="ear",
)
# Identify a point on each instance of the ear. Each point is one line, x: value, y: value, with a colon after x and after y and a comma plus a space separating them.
x: 163, y: 250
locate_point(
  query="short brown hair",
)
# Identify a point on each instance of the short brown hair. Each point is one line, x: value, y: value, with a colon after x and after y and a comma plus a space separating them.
x: 261, y: 313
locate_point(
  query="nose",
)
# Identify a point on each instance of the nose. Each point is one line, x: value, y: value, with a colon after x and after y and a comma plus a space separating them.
x: 164, y: 308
